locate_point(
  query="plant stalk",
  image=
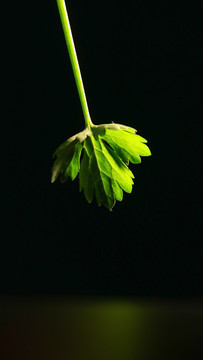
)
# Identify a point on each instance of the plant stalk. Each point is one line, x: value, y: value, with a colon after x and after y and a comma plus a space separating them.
x: 74, y: 61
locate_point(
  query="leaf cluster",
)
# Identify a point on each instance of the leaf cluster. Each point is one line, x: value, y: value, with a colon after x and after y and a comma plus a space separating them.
x: 101, y: 157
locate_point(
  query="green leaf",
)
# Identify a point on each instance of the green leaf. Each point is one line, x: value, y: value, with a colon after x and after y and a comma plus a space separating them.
x: 73, y: 168
x: 85, y: 179
x: 103, y: 171
x: 67, y: 155
x: 106, y: 151
x: 64, y: 156
x: 127, y: 145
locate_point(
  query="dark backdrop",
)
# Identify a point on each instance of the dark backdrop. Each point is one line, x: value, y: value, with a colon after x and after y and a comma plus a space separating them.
x: 140, y: 65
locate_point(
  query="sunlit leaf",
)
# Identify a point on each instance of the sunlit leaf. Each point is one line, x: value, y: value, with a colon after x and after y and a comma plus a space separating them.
x: 106, y: 150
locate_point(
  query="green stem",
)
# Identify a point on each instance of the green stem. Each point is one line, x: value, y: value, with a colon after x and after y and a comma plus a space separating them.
x: 74, y: 61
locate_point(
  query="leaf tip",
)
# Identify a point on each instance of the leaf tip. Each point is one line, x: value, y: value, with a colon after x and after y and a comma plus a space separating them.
x: 53, y: 177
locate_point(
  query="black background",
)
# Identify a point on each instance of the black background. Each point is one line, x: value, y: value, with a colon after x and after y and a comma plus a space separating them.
x: 140, y: 63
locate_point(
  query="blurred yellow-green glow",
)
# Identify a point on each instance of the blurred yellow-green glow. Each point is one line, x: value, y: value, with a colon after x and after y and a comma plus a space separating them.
x: 100, y: 329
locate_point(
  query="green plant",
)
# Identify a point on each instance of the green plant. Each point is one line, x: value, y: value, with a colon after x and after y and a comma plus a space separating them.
x: 105, y: 149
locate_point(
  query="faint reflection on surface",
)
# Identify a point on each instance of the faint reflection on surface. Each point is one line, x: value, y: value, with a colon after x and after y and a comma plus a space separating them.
x: 88, y: 328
